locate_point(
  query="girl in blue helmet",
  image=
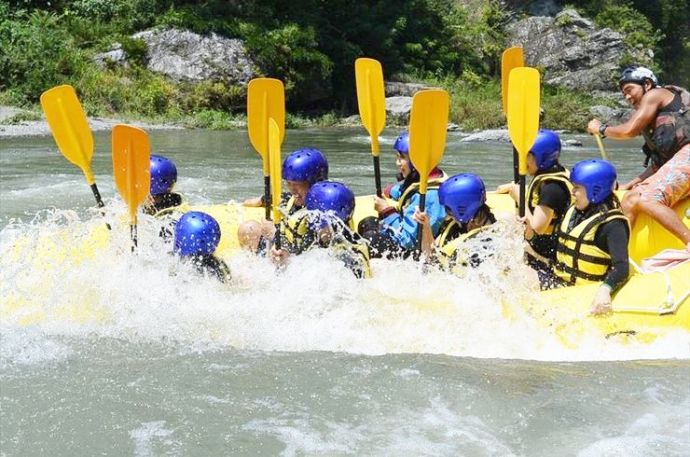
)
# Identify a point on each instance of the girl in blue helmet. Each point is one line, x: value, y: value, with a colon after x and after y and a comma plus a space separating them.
x: 394, y: 233
x: 197, y: 235
x: 593, y: 236
x: 162, y: 200
x: 327, y: 223
x: 547, y: 197
x: 301, y: 169
x: 468, y: 216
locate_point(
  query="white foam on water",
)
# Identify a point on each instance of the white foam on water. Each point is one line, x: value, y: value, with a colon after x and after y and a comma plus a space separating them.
x: 150, y: 437
x: 664, y: 431
x: 434, y: 429
x: 56, y: 277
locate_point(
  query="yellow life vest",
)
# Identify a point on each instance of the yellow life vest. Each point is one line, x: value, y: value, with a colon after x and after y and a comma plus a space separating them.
x: 432, y: 184
x: 578, y: 259
x: 355, y: 256
x: 452, y: 254
x: 293, y: 230
x: 534, y: 189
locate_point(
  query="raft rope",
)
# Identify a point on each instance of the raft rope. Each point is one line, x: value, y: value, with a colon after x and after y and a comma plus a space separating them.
x: 669, y: 306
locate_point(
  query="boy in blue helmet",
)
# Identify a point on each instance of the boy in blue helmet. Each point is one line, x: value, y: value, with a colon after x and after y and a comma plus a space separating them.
x: 593, y: 236
x: 394, y: 233
x: 547, y: 199
x: 197, y: 235
x: 162, y: 200
x: 468, y: 216
x: 301, y: 169
x: 328, y: 224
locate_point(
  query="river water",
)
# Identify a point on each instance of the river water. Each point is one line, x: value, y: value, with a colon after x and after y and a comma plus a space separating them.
x: 134, y: 355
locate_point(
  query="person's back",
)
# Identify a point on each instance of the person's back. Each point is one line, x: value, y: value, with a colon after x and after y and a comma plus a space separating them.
x: 197, y: 236
x: 463, y: 240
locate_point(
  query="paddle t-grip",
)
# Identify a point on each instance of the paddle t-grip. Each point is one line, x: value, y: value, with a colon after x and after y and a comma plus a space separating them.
x: 267, y: 197
x: 521, y: 210
x: 377, y: 175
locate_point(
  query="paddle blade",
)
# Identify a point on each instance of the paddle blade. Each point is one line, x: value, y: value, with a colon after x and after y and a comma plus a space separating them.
x: 276, y: 172
x: 428, y: 128
x: 523, y: 111
x: 131, y: 166
x: 371, y: 98
x: 265, y: 100
x: 70, y: 128
x: 511, y: 58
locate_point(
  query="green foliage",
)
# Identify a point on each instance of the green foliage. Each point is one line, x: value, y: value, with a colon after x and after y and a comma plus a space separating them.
x: 634, y: 26
x: 566, y: 109
x: 135, y: 49
x: 36, y: 53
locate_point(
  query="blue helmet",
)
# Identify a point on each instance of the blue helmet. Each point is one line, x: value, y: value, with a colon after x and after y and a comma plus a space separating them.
x: 546, y: 149
x: 463, y: 195
x: 331, y: 196
x: 402, y: 144
x: 163, y: 175
x: 597, y: 176
x: 306, y: 164
x: 196, y: 233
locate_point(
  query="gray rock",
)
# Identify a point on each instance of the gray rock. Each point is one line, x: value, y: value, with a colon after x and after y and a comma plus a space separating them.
x: 115, y: 56
x: 488, y: 135
x: 610, y: 115
x: 573, y: 142
x: 186, y: 56
x: 452, y: 127
x: 571, y: 50
x: 398, y: 110
x: 351, y: 120
x: 398, y: 89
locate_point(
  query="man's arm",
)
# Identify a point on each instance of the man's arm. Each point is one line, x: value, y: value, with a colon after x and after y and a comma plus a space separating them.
x: 641, y: 118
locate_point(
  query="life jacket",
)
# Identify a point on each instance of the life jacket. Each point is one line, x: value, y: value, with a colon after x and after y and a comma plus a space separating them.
x: 354, y: 253
x: 578, y: 259
x: 669, y: 131
x: 170, y: 203
x: 452, y: 253
x: 433, y: 183
x: 547, y: 240
x: 294, y: 232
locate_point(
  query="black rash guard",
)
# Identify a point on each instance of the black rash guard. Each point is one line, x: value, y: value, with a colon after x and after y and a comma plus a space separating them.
x: 613, y: 238
x: 555, y: 196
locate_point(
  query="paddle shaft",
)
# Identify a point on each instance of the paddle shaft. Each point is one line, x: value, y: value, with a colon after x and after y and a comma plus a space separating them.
x: 133, y: 235
x: 516, y: 165
x: 604, y: 155
x: 422, y: 204
x: 377, y: 176
x: 267, y: 197
x: 521, y: 209
x: 99, y: 201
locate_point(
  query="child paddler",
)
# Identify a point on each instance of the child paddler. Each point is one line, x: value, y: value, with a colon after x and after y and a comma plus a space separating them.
x: 394, y: 232
x: 162, y: 200
x: 197, y: 235
x: 468, y: 216
x: 593, y: 236
x: 326, y: 223
x: 301, y: 169
x: 547, y: 199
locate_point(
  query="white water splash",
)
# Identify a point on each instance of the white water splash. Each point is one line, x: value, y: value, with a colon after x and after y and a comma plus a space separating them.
x: 58, y: 278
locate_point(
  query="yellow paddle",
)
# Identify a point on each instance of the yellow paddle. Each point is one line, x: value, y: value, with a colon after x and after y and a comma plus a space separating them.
x: 604, y: 155
x: 276, y: 171
x: 71, y: 131
x: 372, y: 106
x: 265, y: 100
x: 511, y: 58
x: 131, y: 167
x: 428, y: 129
x: 523, y: 118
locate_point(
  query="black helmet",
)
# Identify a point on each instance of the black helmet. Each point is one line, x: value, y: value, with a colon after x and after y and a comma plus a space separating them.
x: 637, y: 74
